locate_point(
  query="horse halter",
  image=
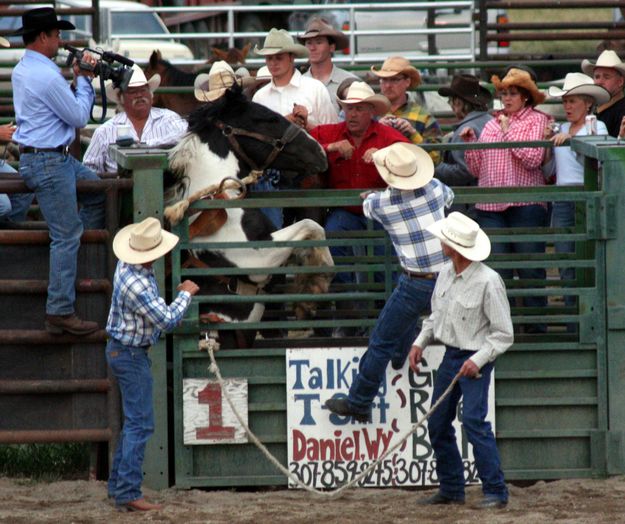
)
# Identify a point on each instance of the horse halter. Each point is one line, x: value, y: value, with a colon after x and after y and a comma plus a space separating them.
x: 231, y: 133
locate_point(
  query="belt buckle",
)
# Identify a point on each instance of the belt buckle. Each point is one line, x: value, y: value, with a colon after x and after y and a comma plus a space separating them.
x: 65, y: 150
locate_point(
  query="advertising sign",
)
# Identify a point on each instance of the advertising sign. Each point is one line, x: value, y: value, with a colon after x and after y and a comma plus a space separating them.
x: 326, y: 450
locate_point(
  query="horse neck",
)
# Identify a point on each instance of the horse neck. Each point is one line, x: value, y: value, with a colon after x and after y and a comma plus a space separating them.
x: 174, y: 76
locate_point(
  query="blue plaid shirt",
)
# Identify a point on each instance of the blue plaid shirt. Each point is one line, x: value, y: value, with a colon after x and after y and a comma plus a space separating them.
x: 405, y: 215
x: 138, y: 314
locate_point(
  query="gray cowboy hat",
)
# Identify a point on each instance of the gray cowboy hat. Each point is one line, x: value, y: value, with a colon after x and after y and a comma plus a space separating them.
x: 280, y: 41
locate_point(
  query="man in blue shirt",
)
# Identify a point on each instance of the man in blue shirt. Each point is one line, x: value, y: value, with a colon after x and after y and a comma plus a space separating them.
x: 47, y: 113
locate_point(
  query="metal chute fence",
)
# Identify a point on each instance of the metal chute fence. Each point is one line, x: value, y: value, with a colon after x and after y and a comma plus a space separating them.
x: 553, y: 390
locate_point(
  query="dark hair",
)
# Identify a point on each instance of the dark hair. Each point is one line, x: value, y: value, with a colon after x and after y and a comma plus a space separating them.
x: 468, y: 107
x: 525, y: 93
x: 29, y: 38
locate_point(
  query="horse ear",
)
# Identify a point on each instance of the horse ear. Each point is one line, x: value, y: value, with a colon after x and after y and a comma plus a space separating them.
x: 245, y: 51
x: 219, y: 54
x: 154, y: 58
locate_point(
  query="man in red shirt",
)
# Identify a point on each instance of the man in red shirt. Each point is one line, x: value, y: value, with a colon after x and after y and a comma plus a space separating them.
x: 349, y: 146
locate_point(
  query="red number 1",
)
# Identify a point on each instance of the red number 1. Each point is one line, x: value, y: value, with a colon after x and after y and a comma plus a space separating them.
x: 211, y: 395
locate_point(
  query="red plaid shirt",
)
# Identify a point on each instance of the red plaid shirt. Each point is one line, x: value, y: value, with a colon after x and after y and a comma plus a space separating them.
x: 514, y: 166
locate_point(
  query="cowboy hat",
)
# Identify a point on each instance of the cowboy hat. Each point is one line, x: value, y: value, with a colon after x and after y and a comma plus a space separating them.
x: 210, y: 86
x: 318, y: 27
x: 41, y: 19
x: 398, y: 65
x: 137, y: 79
x: 143, y: 242
x: 580, y: 84
x: 4, y: 42
x: 404, y: 166
x: 607, y: 58
x: 519, y: 78
x: 467, y: 88
x: 280, y: 41
x: 464, y: 235
x: 361, y: 92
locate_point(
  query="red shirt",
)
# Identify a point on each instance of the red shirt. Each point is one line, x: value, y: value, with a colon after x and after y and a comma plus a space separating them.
x: 355, y: 173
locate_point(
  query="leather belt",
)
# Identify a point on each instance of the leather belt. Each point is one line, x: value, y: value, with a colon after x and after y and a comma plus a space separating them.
x: 60, y: 149
x: 425, y: 276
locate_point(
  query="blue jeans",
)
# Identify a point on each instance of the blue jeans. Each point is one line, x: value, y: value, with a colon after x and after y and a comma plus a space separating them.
x: 479, y: 432
x: 5, y: 205
x: 131, y: 368
x: 53, y: 177
x: 391, y: 338
x: 269, y: 182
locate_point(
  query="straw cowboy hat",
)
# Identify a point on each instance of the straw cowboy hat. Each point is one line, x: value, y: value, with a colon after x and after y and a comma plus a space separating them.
x: 4, y: 42
x: 398, y: 65
x: 464, y: 235
x: 519, y: 78
x: 468, y: 88
x: 137, y: 79
x: 143, y: 242
x: 404, y: 166
x: 41, y: 19
x: 210, y: 86
x: 280, y: 41
x: 361, y: 92
x: 580, y: 84
x: 317, y: 27
x: 607, y: 58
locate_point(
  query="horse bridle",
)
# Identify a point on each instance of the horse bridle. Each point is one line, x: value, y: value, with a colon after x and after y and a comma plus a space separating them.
x: 278, y: 144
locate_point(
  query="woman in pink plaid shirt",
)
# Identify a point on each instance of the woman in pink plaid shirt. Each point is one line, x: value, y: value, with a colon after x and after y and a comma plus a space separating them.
x: 518, y: 121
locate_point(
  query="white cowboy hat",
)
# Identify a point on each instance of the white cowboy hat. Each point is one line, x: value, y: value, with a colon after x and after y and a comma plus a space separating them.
x: 137, y: 79
x: 607, y: 58
x: 210, y: 86
x: 143, y: 242
x: 464, y: 235
x: 580, y: 84
x: 360, y: 92
x: 280, y: 41
x: 4, y: 42
x: 404, y: 166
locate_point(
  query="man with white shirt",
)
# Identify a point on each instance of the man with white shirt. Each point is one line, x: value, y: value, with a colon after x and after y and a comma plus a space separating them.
x: 302, y: 100
x: 152, y: 126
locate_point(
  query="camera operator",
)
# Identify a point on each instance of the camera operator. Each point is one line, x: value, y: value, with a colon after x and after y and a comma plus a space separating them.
x: 47, y: 112
x: 137, y: 119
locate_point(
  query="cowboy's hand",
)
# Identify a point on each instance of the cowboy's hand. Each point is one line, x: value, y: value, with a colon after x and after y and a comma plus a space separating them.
x: 297, y: 120
x: 87, y: 59
x: 388, y: 120
x: 414, y: 358
x: 189, y: 286
x: 560, y: 138
x: 469, y: 369
x: 404, y: 127
x: 343, y: 148
x: 468, y: 134
x: 6, y: 132
x: 368, y: 156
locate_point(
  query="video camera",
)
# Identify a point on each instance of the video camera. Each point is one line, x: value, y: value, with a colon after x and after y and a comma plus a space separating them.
x: 104, y: 68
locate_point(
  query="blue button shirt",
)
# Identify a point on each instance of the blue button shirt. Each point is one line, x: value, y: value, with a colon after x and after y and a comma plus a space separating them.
x: 47, y: 111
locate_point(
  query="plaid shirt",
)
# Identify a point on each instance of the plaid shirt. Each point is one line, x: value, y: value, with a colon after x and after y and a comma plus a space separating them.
x: 427, y: 127
x: 513, y: 166
x: 138, y: 314
x: 405, y: 215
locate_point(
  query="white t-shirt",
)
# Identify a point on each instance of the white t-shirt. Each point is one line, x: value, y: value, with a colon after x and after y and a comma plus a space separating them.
x: 570, y: 165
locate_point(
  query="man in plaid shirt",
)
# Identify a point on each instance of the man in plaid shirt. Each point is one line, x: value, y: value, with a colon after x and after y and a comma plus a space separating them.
x: 413, y: 201
x: 137, y: 316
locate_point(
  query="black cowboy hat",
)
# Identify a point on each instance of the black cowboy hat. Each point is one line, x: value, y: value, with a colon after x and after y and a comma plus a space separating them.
x: 468, y: 88
x: 41, y: 19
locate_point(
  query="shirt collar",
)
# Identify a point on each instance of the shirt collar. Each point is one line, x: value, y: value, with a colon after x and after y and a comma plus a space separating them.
x: 469, y: 270
x: 31, y: 54
x: 295, y: 81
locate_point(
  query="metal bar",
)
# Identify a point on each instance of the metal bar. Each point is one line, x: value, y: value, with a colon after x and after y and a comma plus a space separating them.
x: 550, y: 36
x: 88, y: 285
x: 54, y: 435
x: 91, y: 236
x: 42, y: 387
x: 40, y: 337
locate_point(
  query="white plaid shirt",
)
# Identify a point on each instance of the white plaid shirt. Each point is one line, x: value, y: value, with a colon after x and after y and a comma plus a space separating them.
x: 405, y: 215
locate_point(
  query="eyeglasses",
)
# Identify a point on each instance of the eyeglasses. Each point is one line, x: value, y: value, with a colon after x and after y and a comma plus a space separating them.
x: 393, y: 79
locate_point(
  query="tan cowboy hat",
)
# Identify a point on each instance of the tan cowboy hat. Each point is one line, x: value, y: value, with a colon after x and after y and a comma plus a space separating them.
x: 143, y: 242
x: 137, y: 79
x: 404, y: 166
x: 361, y: 92
x: 464, y: 235
x: 210, y: 86
x: 607, y: 58
x: 4, y: 42
x: 280, y: 41
x: 580, y: 84
x: 318, y: 27
x: 398, y: 65
x: 519, y: 78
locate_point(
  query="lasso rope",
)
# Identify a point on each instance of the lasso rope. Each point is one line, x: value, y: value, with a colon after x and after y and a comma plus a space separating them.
x: 214, y: 368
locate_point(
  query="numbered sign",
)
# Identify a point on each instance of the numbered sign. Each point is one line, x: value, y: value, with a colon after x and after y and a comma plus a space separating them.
x: 207, y: 417
x: 327, y: 450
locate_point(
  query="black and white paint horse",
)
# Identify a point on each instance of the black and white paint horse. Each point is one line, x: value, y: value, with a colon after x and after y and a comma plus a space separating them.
x: 233, y: 138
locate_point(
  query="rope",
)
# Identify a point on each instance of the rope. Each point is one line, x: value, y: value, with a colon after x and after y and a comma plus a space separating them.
x: 214, y: 368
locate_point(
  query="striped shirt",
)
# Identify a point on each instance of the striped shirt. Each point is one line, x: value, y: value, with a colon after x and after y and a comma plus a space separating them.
x: 470, y: 311
x: 162, y: 127
x: 405, y: 215
x: 512, y: 166
x: 138, y: 314
x: 427, y: 127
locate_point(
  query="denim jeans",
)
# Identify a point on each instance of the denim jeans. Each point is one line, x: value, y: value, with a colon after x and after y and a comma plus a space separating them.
x: 474, y: 392
x: 131, y: 368
x: 525, y: 217
x: 53, y: 177
x: 269, y: 182
x: 5, y: 205
x: 396, y: 329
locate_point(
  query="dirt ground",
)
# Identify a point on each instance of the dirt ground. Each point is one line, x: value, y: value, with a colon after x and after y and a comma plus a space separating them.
x: 65, y: 502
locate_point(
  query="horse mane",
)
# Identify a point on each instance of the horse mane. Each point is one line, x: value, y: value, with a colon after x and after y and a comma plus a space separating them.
x: 233, y: 102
